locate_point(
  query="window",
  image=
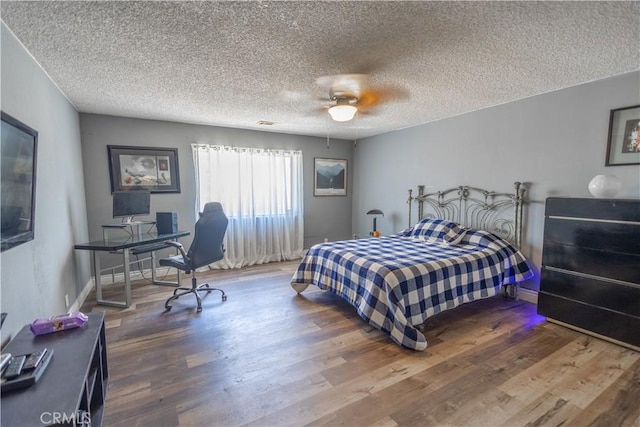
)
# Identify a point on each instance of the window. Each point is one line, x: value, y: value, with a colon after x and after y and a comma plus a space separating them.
x: 261, y: 192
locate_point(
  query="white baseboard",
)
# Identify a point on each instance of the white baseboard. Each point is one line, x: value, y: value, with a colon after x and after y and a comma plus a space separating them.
x: 528, y: 295
x: 108, y: 279
x: 82, y: 297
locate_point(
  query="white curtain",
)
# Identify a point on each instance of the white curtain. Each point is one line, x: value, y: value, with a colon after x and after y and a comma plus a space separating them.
x: 261, y: 193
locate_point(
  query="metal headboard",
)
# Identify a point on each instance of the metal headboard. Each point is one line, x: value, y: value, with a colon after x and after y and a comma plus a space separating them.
x: 498, y: 213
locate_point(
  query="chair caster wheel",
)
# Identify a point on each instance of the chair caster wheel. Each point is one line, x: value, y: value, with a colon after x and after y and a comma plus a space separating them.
x: 224, y: 297
x: 167, y: 308
x: 199, y: 309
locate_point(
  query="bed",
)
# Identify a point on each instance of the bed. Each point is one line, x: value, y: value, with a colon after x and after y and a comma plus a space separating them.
x: 463, y: 247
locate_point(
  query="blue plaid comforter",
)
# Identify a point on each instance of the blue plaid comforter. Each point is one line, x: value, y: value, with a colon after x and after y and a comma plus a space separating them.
x: 396, y: 282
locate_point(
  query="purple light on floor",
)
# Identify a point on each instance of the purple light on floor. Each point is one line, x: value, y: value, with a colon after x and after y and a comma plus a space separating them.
x: 534, y: 320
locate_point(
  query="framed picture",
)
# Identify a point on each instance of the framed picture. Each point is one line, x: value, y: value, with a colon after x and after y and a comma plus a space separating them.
x: 144, y: 168
x: 623, y: 146
x: 330, y: 177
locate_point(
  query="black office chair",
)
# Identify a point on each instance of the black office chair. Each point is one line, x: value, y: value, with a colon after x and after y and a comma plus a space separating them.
x: 206, y: 248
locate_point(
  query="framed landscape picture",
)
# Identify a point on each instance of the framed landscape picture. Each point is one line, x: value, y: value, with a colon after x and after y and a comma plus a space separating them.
x: 144, y: 168
x: 330, y: 177
x: 623, y: 145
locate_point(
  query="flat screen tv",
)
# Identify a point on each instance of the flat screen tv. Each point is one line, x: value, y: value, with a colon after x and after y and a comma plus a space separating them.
x: 127, y: 204
x: 18, y: 181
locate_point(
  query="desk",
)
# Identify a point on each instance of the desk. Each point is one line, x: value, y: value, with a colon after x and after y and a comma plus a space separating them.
x: 122, y: 245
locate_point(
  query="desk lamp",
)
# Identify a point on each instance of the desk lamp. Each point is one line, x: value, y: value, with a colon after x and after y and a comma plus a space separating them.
x: 375, y: 213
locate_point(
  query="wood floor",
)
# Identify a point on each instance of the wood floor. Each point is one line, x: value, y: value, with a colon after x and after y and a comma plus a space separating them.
x: 267, y: 357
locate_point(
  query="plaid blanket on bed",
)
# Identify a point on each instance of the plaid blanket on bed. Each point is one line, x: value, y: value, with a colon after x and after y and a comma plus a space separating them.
x: 396, y: 282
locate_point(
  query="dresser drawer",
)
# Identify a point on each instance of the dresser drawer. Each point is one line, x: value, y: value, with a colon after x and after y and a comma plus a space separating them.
x: 590, y: 290
x: 620, y: 327
x: 606, y: 209
x: 613, y: 237
x: 595, y: 262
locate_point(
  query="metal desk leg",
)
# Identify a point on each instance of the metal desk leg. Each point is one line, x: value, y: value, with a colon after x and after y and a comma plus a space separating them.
x: 163, y: 282
x: 153, y: 267
x: 127, y: 277
x: 97, y: 276
x: 98, y: 280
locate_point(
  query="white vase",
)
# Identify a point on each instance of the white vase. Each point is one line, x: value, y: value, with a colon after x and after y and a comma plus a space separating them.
x: 604, y: 186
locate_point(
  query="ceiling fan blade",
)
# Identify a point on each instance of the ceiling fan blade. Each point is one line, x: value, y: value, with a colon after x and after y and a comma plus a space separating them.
x: 371, y: 97
x: 368, y: 98
x: 354, y: 88
x: 343, y: 84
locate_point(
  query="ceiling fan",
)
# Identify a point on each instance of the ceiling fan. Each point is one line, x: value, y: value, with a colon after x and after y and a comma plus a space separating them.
x: 349, y: 94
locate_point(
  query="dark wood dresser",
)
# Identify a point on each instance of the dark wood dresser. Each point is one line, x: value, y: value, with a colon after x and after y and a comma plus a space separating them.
x: 591, y: 267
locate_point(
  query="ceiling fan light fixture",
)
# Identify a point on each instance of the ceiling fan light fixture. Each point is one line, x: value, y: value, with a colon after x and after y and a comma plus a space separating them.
x: 342, y: 112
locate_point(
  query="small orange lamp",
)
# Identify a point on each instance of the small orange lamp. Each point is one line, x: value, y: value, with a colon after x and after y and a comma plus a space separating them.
x: 375, y: 213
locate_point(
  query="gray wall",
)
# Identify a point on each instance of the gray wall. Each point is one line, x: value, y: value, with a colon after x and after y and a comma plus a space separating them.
x: 328, y: 217
x: 555, y: 143
x: 37, y: 275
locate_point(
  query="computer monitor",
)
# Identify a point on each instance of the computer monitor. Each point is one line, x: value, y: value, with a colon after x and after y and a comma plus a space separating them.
x: 127, y: 204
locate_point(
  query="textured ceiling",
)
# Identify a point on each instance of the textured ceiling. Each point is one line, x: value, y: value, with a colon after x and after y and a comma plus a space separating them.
x: 236, y: 63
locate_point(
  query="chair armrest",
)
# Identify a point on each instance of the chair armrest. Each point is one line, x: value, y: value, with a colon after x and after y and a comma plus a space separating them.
x: 178, y: 246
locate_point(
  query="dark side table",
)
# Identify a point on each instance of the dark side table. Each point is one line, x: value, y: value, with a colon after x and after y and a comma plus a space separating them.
x: 72, y: 389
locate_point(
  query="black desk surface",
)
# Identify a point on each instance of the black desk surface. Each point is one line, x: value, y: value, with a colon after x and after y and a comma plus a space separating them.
x: 124, y: 242
x: 72, y: 353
